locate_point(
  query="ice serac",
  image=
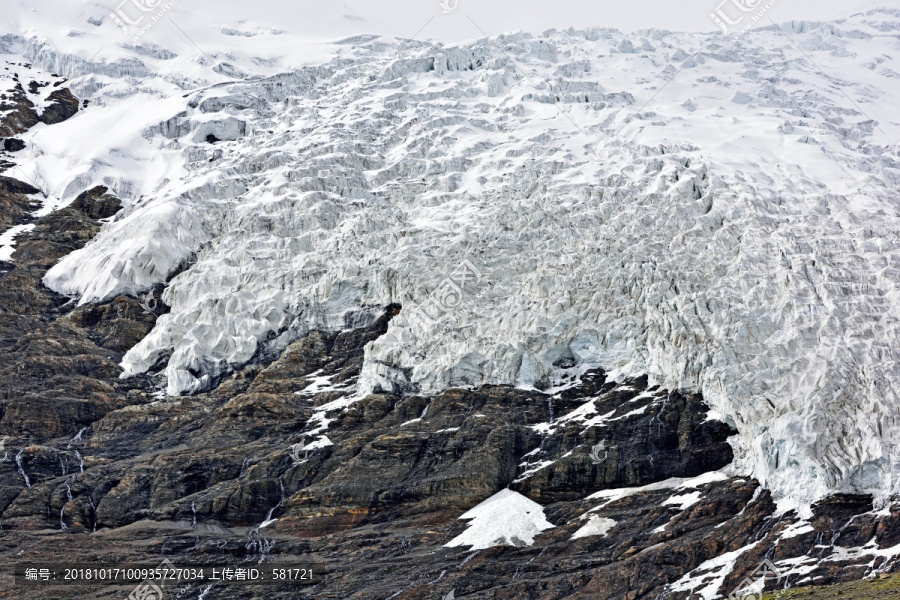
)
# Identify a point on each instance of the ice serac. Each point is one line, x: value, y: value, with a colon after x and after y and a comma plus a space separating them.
x: 744, y: 248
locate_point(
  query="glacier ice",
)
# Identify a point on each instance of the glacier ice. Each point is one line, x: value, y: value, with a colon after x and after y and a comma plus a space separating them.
x: 692, y: 239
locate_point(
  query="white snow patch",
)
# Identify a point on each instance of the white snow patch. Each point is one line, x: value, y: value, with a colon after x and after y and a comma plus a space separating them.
x: 803, y: 565
x: 595, y: 526
x: 708, y: 477
x: 319, y: 419
x: 505, y: 519
x: 322, y: 442
x: 799, y: 566
x: 417, y: 419
x: 870, y: 548
x: 795, y: 529
x: 667, y: 484
x: 320, y: 383
x: 534, y: 469
x: 683, y: 501
x: 7, y: 240
x: 708, y: 577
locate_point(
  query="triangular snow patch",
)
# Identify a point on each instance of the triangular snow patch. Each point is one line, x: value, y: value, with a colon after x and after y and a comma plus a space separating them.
x: 505, y: 519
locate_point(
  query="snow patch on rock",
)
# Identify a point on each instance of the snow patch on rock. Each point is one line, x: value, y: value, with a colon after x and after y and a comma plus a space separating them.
x: 505, y: 519
x: 596, y: 525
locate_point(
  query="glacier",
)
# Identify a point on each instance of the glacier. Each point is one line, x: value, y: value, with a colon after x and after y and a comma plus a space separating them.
x: 720, y: 213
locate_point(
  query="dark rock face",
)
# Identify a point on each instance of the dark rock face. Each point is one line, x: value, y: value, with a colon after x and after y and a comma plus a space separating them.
x: 17, y: 113
x: 58, y: 363
x: 657, y: 435
x: 371, y: 487
x: 63, y: 104
x: 13, y: 144
x: 15, y: 206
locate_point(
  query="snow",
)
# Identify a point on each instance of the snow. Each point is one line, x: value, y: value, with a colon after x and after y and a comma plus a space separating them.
x: 798, y: 528
x: 595, y: 526
x: 673, y: 483
x: 800, y: 566
x: 842, y: 554
x: 321, y: 383
x: 322, y: 442
x: 417, y: 419
x: 505, y: 519
x: 708, y: 577
x: 708, y: 477
x: 683, y: 501
x: 534, y: 469
x: 756, y: 494
x: 586, y: 413
x: 319, y: 420
x: 7, y: 240
x: 693, y: 239
x: 616, y: 494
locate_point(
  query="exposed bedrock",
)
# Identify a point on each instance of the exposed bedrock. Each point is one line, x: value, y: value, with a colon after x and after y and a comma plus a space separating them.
x: 58, y: 363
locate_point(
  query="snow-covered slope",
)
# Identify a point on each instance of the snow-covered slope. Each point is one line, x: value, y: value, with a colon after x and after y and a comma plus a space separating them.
x: 734, y: 230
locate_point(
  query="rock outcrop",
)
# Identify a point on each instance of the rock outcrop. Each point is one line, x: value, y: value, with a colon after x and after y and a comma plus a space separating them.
x: 19, y: 113
x: 15, y: 205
